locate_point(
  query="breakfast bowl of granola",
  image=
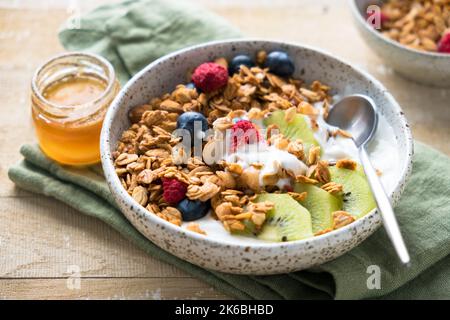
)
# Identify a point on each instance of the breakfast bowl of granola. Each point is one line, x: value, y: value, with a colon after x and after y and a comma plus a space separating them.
x: 410, y: 36
x: 221, y: 155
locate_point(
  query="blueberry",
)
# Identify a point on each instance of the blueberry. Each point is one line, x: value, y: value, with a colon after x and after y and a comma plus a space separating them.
x: 194, y: 122
x: 193, y: 209
x: 190, y: 85
x: 239, y: 60
x: 280, y: 63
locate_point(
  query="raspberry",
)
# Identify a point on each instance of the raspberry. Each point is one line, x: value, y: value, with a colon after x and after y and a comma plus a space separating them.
x: 444, y: 44
x: 242, y: 127
x: 173, y: 190
x: 210, y: 76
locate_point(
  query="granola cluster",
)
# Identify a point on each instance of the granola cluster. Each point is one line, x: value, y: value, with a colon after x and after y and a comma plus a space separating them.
x: 148, y: 152
x: 418, y: 24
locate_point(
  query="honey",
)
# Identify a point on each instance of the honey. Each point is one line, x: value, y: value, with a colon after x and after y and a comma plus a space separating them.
x: 74, y: 91
x: 70, y: 96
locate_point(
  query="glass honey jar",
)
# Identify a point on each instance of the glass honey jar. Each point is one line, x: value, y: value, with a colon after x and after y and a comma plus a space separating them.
x: 70, y: 95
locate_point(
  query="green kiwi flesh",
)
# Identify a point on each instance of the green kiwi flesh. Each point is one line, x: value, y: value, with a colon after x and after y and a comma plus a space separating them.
x: 320, y: 204
x: 287, y: 221
x: 298, y: 128
x: 357, y: 196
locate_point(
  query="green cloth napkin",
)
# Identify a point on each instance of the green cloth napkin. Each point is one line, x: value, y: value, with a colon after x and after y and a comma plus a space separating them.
x: 133, y: 33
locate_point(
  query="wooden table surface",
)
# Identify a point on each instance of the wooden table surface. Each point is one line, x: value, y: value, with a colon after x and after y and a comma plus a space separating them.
x: 42, y: 242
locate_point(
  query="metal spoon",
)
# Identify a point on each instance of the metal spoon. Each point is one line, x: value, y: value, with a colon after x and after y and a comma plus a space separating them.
x: 357, y: 114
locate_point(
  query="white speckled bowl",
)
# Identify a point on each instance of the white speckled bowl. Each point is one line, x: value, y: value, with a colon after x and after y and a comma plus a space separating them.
x: 163, y: 75
x: 423, y: 67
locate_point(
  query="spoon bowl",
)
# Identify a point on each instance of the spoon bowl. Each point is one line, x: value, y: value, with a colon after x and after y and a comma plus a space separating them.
x: 356, y: 114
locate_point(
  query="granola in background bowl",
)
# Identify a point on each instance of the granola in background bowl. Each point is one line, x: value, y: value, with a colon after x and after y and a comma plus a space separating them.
x: 410, y: 36
x: 418, y: 24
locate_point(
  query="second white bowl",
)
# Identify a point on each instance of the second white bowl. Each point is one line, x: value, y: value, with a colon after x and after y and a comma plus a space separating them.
x: 424, y: 67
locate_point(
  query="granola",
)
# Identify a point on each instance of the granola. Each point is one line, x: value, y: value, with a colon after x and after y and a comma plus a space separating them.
x: 347, y: 164
x: 238, y: 151
x: 195, y: 227
x: 418, y: 24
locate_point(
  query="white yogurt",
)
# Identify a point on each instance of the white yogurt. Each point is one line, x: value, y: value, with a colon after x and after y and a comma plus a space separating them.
x: 215, y: 230
x: 269, y: 157
x: 383, y: 154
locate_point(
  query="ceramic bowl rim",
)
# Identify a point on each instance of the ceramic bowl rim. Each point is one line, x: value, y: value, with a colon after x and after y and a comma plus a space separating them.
x: 398, y: 45
x: 114, y: 182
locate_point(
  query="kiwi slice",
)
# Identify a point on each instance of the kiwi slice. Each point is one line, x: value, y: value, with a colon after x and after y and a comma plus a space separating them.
x: 298, y: 128
x: 249, y: 230
x: 357, y: 197
x: 287, y: 221
x: 320, y: 204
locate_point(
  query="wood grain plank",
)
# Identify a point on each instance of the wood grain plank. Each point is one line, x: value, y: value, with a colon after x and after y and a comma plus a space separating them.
x: 40, y: 237
x: 142, y: 288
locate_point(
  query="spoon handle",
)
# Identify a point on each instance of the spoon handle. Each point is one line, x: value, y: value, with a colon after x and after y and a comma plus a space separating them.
x: 384, y: 207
